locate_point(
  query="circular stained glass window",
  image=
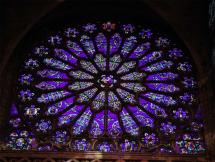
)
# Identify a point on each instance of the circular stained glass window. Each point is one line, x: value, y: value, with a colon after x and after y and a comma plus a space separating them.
x: 110, y: 87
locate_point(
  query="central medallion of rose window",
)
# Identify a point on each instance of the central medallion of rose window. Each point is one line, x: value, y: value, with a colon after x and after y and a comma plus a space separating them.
x: 107, y: 81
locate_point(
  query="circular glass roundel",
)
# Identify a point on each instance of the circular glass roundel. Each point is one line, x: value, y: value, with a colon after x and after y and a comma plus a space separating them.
x: 108, y: 81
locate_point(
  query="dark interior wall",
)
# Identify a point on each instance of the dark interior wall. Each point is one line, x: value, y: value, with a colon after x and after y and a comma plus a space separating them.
x: 188, y: 18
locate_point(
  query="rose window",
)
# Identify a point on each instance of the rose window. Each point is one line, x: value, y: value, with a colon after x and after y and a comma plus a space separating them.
x: 109, y: 87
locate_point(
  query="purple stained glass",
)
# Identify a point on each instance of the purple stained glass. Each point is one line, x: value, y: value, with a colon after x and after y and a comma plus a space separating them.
x: 128, y: 28
x: 163, y: 87
x: 114, y: 128
x: 70, y: 115
x: 152, y: 108
x: 82, y: 123
x: 115, y: 43
x: 49, y: 85
x: 145, y: 33
x: 21, y: 140
x: 76, y: 49
x: 128, y: 146
x: 104, y: 147
x: 41, y: 51
x: 97, y: 127
x: 166, y: 76
x: 66, y: 56
x: 128, y: 45
x: 88, y: 44
x: 26, y: 79
x: 60, y: 137
x: 160, y: 98
x: 141, y: 116
x: 51, y: 74
x: 129, y: 124
x: 168, y: 128
x: 101, y: 43
x: 32, y: 111
x: 140, y: 50
x: 52, y: 96
x: 71, y: 32
x: 153, y: 56
x: 59, y: 106
x: 149, y: 139
x: 56, y: 64
x: 54, y: 40
x: 107, y: 87
x: 80, y: 145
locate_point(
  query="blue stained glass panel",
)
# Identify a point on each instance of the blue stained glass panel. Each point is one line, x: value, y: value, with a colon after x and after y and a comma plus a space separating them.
x: 114, y: 128
x: 141, y: 116
x: 115, y: 42
x: 60, y: 106
x: 52, y: 74
x: 101, y: 42
x: 129, y: 124
x: 82, y: 123
x: 70, y: 115
x: 97, y: 127
x: 52, y: 96
x: 66, y: 56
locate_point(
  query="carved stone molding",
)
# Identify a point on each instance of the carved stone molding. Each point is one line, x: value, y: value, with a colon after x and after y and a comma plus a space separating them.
x: 94, y: 157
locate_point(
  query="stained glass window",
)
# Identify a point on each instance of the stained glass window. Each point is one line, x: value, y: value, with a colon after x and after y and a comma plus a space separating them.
x: 107, y: 87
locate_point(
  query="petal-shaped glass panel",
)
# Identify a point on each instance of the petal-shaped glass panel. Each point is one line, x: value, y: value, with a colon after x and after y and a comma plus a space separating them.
x: 50, y: 85
x: 97, y: 127
x: 133, y: 76
x: 160, y: 98
x: 151, y: 57
x: 129, y: 124
x: 162, y: 76
x: 136, y: 87
x: 114, y: 128
x: 113, y: 102
x: 52, y: 74
x: 70, y: 115
x: 126, y: 96
x: 140, y: 50
x: 152, y: 108
x: 76, y: 49
x: 159, y: 66
x: 141, y: 116
x: 86, y: 95
x: 99, y: 101
x: 126, y: 67
x: 52, y: 96
x: 80, y: 75
x: 88, y: 44
x: 115, y: 42
x: 66, y: 56
x: 79, y: 85
x: 114, y: 62
x: 82, y: 123
x: 56, y: 64
x: 128, y: 45
x: 87, y: 65
x: 163, y: 87
x: 60, y: 106
x: 101, y: 43
x: 101, y: 62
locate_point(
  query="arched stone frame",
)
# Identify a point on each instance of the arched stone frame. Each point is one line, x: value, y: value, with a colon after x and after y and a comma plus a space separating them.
x: 202, y: 82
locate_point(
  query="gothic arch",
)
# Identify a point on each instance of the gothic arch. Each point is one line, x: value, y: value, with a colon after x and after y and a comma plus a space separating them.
x: 51, y: 22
